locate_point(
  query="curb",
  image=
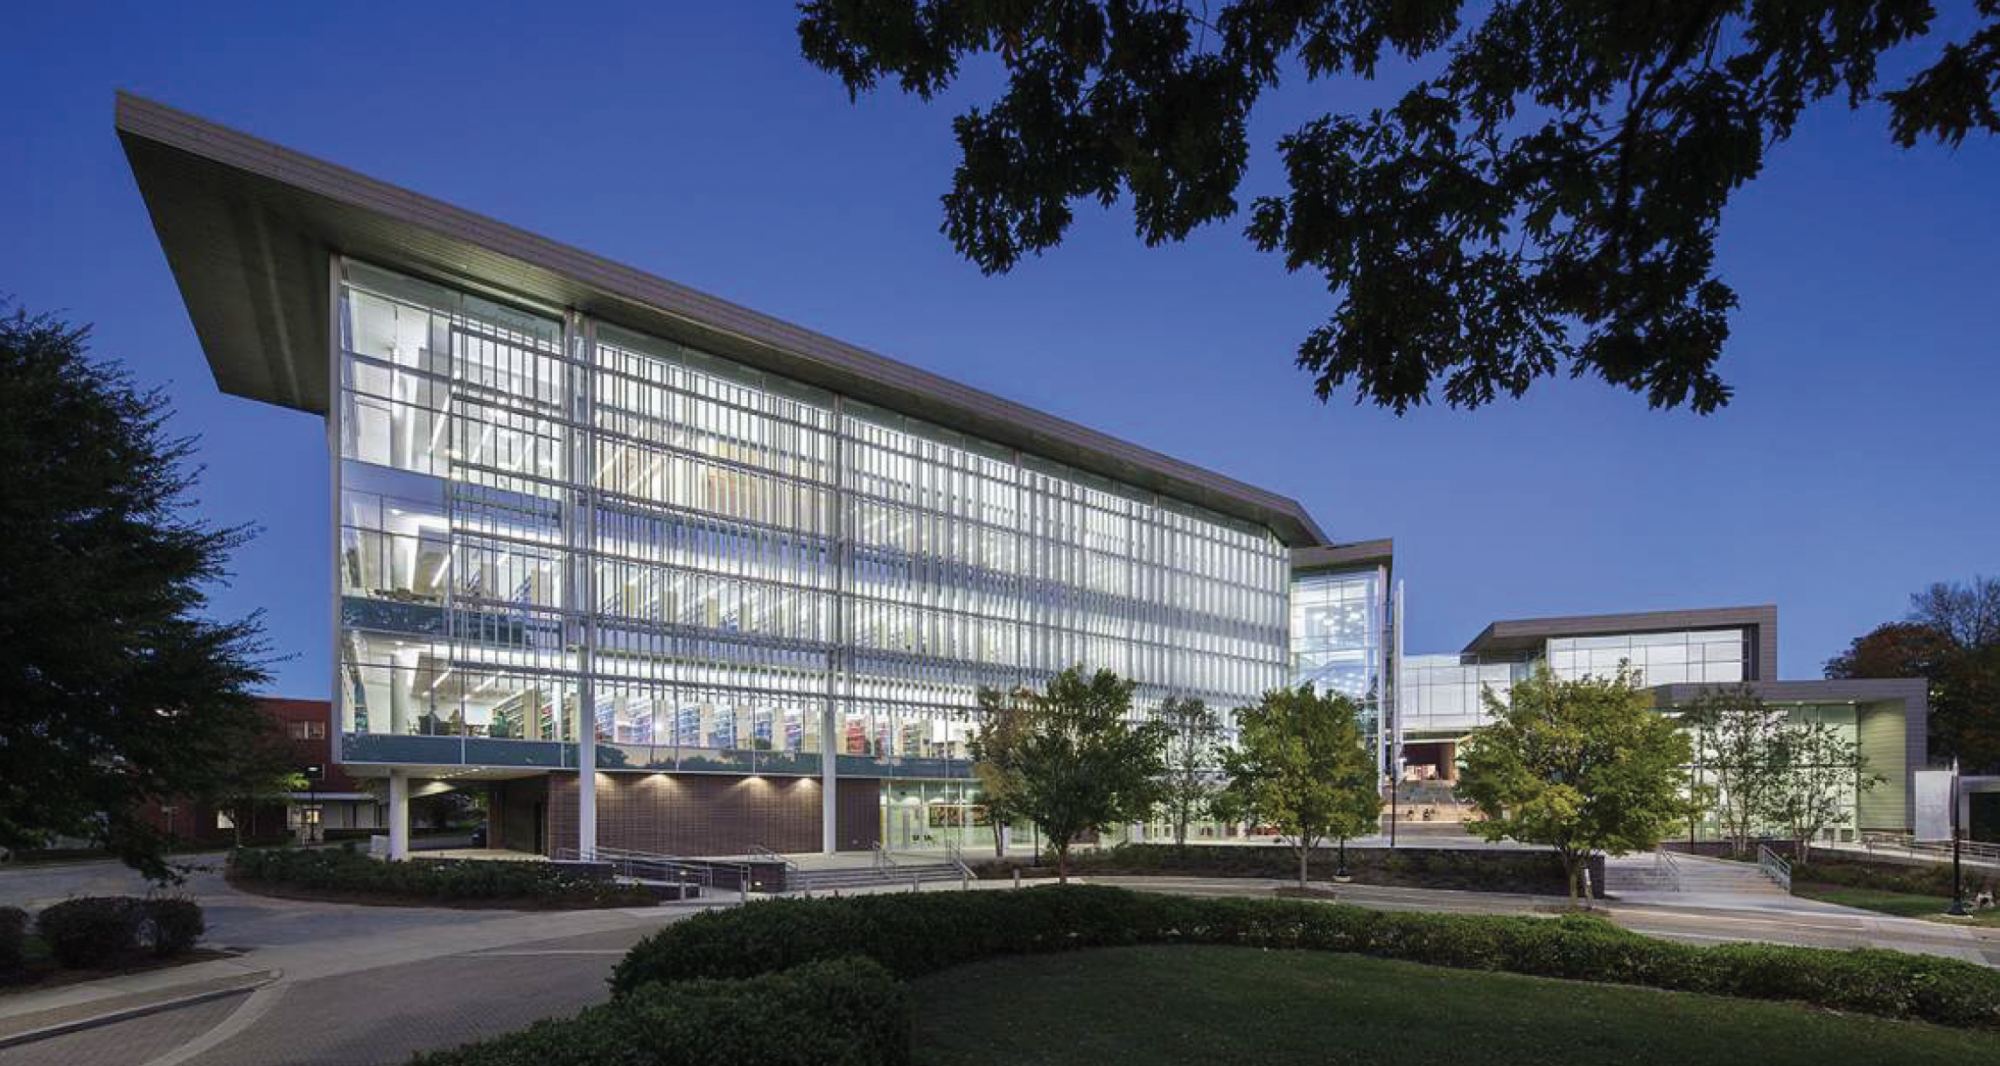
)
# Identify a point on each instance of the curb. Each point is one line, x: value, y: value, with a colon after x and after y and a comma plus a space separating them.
x: 138, y: 1010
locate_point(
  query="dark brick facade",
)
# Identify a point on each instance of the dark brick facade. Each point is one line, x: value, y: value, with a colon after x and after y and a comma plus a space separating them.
x: 701, y: 814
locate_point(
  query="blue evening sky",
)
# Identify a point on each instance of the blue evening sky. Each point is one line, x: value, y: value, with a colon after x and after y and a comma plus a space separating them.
x: 1856, y: 465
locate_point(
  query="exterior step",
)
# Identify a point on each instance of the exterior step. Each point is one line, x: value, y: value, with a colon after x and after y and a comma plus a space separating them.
x: 870, y: 877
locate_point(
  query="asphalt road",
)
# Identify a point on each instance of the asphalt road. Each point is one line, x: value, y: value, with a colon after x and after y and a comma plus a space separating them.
x: 378, y: 1016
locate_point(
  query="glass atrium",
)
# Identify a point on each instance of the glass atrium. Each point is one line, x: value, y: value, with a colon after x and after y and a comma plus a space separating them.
x: 736, y: 571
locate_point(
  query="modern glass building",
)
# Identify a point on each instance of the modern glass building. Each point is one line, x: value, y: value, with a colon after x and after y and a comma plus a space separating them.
x: 1677, y: 656
x: 657, y: 572
x: 1343, y: 632
x: 634, y: 556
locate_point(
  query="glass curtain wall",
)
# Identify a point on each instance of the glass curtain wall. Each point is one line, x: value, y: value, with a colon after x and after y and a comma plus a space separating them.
x: 1700, y: 656
x: 723, y: 554
x: 1339, y: 629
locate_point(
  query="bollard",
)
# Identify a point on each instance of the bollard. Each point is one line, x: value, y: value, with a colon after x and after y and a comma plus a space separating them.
x: 916, y: 883
x: 1017, y: 877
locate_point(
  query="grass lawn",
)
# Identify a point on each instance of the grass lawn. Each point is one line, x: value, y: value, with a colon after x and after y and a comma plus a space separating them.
x: 1900, y: 904
x: 1246, y: 1007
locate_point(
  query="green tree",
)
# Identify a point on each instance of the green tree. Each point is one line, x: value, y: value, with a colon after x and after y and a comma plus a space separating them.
x: 1737, y: 756
x: 1545, y: 194
x: 1193, y: 755
x: 1580, y: 766
x: 1078, y: 763
x: 1818, y: 771
x: 115, y: 686
x: 1299, y: 763
x: 1951, y: 637
x: 1003, y: 722
x: 261, y: 773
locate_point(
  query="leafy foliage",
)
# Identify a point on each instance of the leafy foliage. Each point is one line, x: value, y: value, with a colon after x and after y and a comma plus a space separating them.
x: 1579, y: 765
x: 841, y: 1012
x: 1300, y: 764
x: 1511, y: 870
x: 1736, y: 757
x: 170, y: 925
x: 344, y: 872
x: 117, y: 687
x: 921, y: 933
x: 1545, y: 194
x: 1003, y: 723
x: 13, y: 940
x: 90, y: 931
x: 1819, y: 771
x: 1073, y: 761
x: 1193, y: 754
x: 1952, y: 637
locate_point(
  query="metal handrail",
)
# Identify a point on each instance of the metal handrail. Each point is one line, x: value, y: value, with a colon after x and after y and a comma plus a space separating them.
x: 956, y: 853
x: 1668, y: 867
x: 1774, y: 866
x: 759, y: 851
x: 1972, y: 849
x: 883, y: 860
x: 647, y: 866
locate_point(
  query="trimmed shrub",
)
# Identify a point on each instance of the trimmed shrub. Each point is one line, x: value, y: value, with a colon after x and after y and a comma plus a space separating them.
x: 915, y: 934
x: 845, y: 1012
x: 13, y: 939
x: 346, y: 872
x: 171, y: 925
x: 91, y: 931
x: 1530, y: 872
x: 1926, y: 880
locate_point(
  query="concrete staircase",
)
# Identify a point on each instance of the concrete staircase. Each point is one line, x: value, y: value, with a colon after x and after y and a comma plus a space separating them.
x: 1689, y: 875
x: 902, y: 875
x: 1637, y: 873
x: 1701, y: 875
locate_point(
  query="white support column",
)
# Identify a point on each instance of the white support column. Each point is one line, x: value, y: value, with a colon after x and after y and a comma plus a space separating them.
x: 829, y: 786
x: 399, y: 815
x: 831, y: 737
x: 583, y: 545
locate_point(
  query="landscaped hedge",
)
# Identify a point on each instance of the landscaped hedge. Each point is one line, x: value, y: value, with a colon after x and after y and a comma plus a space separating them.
x: 13, y: 940
x: 342, y: 872
x: 92, y: 932
x: 1529, y: 872
x: 848, y: 1012
x: 915, y: 934
x: 1925, y: 880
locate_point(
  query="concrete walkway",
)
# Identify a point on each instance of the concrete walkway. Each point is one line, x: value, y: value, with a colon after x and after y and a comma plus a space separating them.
x: 278, y: 940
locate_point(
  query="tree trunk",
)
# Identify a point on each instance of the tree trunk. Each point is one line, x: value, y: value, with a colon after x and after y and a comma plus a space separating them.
x: 1570, y: 867
x: 1304, y: 853
x: 1062, y: 863
x: 999, y: 839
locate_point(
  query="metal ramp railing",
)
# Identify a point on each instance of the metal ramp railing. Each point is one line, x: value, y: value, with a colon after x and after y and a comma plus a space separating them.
x: 680, y: 871
x: 1775, y: 867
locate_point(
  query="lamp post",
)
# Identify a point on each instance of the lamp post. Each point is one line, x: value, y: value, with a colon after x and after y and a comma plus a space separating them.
x: 1957, y: 909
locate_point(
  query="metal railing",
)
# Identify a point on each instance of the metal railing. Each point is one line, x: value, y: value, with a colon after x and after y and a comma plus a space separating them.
x: 664, y: 869
x: 792, y: 871
x: 884, y: 862
x: 1976, y: 850
x: 956, y: 853
x: 1774, y: 866
x: 1668, y: 868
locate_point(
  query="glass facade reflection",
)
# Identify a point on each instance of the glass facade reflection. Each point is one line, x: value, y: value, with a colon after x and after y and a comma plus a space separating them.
x: 1703, y: 655
x: 1339, y: 641
x: 546, y: 522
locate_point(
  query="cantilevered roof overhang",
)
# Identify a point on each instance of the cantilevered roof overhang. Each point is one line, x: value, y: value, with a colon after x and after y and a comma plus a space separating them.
x: 1529, y: 634
x: 248, y: 228
x: 1360, y: 553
